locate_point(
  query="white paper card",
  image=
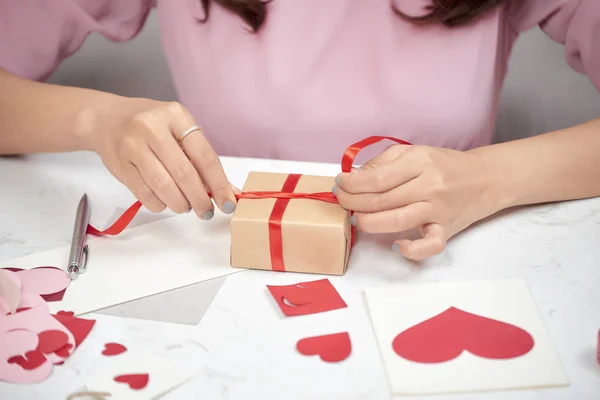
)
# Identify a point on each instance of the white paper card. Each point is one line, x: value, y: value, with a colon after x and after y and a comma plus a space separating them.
x: 394, y: 310
x: 162, y: 376
x: 141, y: 261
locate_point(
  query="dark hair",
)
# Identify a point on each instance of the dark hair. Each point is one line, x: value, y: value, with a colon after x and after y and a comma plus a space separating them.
x: 447, y: 12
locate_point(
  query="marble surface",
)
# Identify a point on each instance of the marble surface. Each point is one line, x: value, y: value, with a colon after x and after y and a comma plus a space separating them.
x: 243, y: 349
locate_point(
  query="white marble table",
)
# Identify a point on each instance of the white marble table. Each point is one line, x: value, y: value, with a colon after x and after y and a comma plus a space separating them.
x: 556, y: 248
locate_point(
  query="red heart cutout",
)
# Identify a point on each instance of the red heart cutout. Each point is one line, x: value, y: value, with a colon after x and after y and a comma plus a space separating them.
x: 32, y: 360
x: 331, y: 348
x: 135, y: 381
x: 445, y: 336
x: 113, y: 349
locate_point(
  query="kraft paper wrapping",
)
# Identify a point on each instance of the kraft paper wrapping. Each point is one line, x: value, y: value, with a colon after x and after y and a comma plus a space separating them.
x: 315, y: 234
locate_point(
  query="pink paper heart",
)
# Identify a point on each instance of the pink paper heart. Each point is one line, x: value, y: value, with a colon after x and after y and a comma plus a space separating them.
x: 44, y: 281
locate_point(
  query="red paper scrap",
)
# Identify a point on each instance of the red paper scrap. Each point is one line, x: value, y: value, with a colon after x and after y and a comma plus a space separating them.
x: 135, y: 381
x: 598, y: 348
x: 66, y: 313
x: 335, y: 347
x: 64, y: 351
x: 78, y: 327
x: 307, y: 297
x: 445, y: 336
x: 113, y: 349
x: 32, y: 360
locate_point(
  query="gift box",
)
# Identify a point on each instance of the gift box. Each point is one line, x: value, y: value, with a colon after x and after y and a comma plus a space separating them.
x: 294, y: 234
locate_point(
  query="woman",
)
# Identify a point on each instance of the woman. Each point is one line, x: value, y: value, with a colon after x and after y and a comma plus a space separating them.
x: 302, y: 79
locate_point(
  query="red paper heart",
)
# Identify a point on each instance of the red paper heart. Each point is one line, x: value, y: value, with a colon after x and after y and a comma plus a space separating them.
x: 32, y: 360
x: 331, y: 348
x: 52, y: 340
x: 445, y: 336
x: 135, y: 381
x: 307, y: 297
x: 113, y: 349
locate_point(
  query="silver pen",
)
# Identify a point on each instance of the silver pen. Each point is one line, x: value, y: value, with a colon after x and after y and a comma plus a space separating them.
x: 79, y: 249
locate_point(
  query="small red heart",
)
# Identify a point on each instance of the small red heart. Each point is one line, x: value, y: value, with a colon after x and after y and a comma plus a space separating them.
x: 445, y: 336
x: 113, y: 349
x: 331, y: 348
x: 32, y: 360
x: 135, y: 381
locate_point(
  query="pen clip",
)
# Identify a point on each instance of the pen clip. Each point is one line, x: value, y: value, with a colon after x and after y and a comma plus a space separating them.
x: 84, y: 259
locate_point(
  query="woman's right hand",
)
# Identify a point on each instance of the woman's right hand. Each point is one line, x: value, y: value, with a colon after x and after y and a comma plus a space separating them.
x: 137, y: 140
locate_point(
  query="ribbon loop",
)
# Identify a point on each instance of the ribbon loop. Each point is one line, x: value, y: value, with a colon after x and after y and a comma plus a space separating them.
x: 353, y: 150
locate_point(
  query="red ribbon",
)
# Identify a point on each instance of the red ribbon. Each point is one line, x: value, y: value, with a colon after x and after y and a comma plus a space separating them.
x: 283, y: 198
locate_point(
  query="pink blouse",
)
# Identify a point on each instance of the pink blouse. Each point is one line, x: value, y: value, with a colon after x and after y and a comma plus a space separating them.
x: 320, y: 74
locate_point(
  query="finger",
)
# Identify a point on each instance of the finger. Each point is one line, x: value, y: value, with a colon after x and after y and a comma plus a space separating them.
x: 381, y: 173
x: 141, y: 190
x: 433, y: 242
x: 131, y: 178
x: 184, y: 174
x: 235, y: 189
x: 396, y: 220
x: 397, y: 197
x: 207, y: 163
x: 160, y: 181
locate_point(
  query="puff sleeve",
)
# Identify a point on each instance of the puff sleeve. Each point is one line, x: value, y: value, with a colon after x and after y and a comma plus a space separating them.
x: 574, y: 23
x: 36, y: 35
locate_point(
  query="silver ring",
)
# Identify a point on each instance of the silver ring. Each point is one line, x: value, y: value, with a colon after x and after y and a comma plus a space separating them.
x: 187, y: 132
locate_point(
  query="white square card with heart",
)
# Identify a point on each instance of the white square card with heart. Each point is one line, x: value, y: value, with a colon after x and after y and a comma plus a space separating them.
x: 463, y: 337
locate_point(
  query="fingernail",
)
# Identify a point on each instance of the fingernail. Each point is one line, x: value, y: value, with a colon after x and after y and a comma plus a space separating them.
x: 334, y: 190
x: 396, y: 248
x: 228, y: 207
x: 338, y: 181
x: 353, y: 220
x: 208, y: 215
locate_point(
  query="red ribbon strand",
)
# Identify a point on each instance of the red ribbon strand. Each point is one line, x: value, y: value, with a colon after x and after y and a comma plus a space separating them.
x: 283, y: 198
x: 275, y: 236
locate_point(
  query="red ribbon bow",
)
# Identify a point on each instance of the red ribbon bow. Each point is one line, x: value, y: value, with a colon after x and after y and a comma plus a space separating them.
x: 283, y: 197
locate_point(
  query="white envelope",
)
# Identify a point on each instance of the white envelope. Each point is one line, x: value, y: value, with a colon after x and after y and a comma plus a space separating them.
x: 141, y: 261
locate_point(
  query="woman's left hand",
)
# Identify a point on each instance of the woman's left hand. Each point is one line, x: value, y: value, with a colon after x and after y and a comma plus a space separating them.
x: 439, y: 191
